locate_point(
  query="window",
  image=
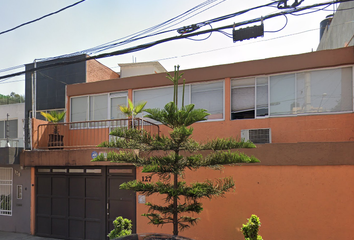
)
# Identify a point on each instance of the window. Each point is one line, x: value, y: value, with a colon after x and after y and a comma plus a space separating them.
x: 324, y: 91
x: 97, y: 107
x: 282, y: 94
x: 243, y: 98
x: 310, y: 92
x: 118, y: 99
x: 79, y: 109
x: 6, y: 191
x: 8, y: 127
x: 159, y: 97
x: 209, y: 96
x: 249, y: 97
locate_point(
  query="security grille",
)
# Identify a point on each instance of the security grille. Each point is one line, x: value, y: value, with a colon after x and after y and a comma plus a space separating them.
x: 6, y: 191
x: 256, y: 136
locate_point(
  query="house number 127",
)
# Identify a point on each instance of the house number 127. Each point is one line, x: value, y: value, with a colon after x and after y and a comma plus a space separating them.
x: 146, y: 178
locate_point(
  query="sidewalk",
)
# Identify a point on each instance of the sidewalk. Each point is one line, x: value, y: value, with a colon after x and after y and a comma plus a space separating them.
x: 21, y: 236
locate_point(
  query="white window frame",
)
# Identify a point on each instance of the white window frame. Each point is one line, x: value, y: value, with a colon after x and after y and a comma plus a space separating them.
x: 108, y: 117
x: 190, y: 96
x: 6, y: 181
x: 223, y: 98
x: 296, y: 73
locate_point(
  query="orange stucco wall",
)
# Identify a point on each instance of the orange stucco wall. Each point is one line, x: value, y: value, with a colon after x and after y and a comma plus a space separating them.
x: 315, y: 128
x: 293, y: 202
x: 287, y: 129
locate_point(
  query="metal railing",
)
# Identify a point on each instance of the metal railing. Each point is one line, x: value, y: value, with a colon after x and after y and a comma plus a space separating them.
x: 87, y: 134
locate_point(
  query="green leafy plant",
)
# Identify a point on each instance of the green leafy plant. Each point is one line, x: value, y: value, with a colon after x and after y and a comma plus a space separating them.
x: 132, y: 110
x: 180, y: 154
x: 122, y: 227
x: 250, y: 230
x: 54, y: 117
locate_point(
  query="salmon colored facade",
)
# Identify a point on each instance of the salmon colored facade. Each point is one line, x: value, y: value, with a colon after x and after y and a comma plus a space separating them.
x: 302, y: 189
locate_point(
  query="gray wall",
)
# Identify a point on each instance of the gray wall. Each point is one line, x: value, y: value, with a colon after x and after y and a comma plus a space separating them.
x: 21, y: 208
x: 51, y: 82
x: 341, y: 29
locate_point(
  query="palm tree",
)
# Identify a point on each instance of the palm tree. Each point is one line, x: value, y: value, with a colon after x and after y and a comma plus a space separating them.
x: 132, y: 110
x: 54, y: 117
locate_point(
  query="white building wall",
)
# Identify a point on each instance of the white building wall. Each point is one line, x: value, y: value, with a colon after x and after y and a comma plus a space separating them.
x: 15, y: 111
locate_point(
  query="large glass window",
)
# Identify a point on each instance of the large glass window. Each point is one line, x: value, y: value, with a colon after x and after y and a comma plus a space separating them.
x: 118, y: 99
x: 159, y: 97
x: 282, y: 94
x: 324, y: 91
x: 317, y: 91
x: 5, y: 191
x: 98, y: 108
x: 262, y: 96
x: 79, y: 109
x: 243, y: 98
x: 209, y: 96
x: 249, y: 97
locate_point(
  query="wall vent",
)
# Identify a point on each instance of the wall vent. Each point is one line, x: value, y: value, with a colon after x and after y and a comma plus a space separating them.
x: 257, y: 136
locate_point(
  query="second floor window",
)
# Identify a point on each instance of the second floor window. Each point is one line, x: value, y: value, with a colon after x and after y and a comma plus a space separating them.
x: 310, y: 92
x: 97, y: 107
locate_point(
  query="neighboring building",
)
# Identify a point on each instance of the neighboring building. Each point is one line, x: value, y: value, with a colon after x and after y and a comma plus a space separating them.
x: 138, y: 69
x: 298, y: 109
x: 51, y: 82
x: 15, y: 180
x: 337, y: 30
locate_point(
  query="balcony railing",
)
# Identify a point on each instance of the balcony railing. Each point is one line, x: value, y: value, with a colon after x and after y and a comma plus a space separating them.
x: 76, y: 135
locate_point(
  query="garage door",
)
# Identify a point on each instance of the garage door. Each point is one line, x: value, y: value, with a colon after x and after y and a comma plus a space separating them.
x: 77, y: 202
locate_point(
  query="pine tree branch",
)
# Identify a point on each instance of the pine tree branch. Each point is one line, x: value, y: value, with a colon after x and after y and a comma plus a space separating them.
x: 226, y: 143
x: 156, y: 219
x: 195, y: 207
x: 173, y: 117
x: 121, y: 157
x: 218, y: 158
x: 208, y: 189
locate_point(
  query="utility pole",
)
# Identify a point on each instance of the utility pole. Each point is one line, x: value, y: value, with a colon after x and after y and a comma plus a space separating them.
x: 34, y: 110
x: 7, y: 131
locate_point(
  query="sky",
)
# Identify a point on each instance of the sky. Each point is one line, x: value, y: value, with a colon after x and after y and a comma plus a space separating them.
x: 95, y: 22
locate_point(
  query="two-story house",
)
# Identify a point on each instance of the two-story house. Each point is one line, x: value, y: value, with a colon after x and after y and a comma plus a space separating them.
x: 298, y: 110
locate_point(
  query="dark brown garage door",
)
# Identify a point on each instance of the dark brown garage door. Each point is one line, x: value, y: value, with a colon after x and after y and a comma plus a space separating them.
x: 80, y: 203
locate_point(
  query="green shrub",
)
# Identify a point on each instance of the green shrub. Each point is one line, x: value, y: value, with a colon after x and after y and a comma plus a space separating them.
x: 250, y: 230
x: 122, y: 227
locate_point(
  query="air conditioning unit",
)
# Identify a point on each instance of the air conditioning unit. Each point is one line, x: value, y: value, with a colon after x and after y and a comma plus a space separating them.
x: 257, y: 136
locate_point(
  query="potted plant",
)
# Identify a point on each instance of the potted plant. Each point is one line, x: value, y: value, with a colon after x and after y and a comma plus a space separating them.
x: 55, y: 139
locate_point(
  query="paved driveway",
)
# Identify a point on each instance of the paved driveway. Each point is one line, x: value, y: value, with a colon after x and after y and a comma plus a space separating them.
x: 21, y: 236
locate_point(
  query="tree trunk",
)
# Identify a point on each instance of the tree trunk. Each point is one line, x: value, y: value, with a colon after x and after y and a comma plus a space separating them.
x: 175, y: 204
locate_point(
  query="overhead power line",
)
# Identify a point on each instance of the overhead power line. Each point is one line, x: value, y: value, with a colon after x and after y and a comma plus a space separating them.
x: 150, y: 44
x: 47, y: 15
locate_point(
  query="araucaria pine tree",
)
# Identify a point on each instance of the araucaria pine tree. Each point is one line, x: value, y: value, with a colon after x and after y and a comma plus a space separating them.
x: 181, y: 199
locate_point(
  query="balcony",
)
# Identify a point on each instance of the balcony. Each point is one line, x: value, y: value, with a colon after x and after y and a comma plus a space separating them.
x: 81, y: 135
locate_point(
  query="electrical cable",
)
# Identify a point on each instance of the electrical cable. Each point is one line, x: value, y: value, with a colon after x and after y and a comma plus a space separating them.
x: 286, y: 23
x: 203, y: 38
x: 35, y: 20
x: 137, y: 36
x: 317, y: 10
x: 151, y: 44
